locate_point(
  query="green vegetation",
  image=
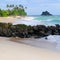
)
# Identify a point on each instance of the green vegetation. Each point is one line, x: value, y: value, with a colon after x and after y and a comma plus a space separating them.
x: 13, y: 11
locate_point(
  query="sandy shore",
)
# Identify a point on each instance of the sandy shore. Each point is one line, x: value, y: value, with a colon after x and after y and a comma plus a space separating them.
x: 7, y: 19
x: 16, y: 51
x: 20, y: 20
x: 13, y: 19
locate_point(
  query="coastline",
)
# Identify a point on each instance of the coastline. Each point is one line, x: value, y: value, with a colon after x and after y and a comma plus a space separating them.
x: 7, y: 19
x: 40, y: 43
x: 43, y: 47
x: 27, y: 20
x: 16, y: 51
x: 12, y: 19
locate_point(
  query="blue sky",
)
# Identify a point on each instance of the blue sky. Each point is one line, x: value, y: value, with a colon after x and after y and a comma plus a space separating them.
x: 35, y: 7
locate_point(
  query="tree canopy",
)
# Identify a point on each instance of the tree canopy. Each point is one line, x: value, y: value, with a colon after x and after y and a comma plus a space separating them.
x: 13, y: 11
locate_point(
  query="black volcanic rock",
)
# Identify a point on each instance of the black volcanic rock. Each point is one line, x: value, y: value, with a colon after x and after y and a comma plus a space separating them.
x: 24, y: 31
x: 46, y: 13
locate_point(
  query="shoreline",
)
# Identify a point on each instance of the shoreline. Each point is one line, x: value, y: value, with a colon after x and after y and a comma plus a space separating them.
x: 39, y: 43
x: 12, y: 19
x: 27, y: 20
x: 14, y: 51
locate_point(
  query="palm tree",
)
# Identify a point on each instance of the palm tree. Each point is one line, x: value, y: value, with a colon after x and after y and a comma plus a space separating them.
x: 25, y: 7
x: 7, y: 6
x: 21, y: 6
x: 16, y: 7
x: 10, y: 6
x: 13, y: 5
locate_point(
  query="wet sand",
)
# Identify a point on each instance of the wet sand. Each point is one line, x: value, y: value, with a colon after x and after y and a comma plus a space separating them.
x: 40, y: 43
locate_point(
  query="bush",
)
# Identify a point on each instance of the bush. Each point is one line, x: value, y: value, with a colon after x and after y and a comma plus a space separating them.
x: 15, y: 11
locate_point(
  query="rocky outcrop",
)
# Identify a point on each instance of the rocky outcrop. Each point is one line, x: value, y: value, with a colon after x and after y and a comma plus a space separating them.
x: 46, y: 13
x: 24, y: 31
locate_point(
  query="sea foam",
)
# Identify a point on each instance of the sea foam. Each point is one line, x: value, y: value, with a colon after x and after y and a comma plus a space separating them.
x: 54, y: 38
x: 28, y: 21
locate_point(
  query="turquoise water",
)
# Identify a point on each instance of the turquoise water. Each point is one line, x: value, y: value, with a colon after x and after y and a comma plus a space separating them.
x: 48, y: 20
x: 39, y: 20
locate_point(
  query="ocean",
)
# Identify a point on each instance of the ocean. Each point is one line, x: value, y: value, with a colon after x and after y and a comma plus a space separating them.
x: 48, y: 20
x: 39, y: 20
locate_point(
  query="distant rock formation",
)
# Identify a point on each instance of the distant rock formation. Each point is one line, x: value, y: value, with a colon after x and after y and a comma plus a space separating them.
x: 46, y: 13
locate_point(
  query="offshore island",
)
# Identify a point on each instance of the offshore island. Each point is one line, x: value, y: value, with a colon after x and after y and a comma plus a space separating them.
x: 46, y: 13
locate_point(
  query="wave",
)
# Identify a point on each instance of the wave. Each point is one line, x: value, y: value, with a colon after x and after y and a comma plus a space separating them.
x: 48, y: 20
x: 34, y: 20
x: 54, y: 38
x: 28, y: 22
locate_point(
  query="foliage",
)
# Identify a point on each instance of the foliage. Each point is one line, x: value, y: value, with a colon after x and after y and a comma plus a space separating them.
x: 5, y: 13
x: 13, y: 11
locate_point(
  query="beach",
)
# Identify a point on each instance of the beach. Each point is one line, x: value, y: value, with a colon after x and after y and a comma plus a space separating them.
x: 31, y: 20
x: 15, y: 48
x: 7, y: 19
x: 10, y: 50
x: 27, y: 20
x: 29, y: 30
x: 12, y: 19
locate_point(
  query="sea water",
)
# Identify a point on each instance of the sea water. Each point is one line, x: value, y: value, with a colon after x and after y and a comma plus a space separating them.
x: 48, y: 20
x: 39, y: 20
x: 54, y: 38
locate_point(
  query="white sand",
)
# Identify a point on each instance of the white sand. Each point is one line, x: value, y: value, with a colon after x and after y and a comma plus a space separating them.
x: 7, y: 19
x: 20, y: 20
x: 12, y: 19
x: 14, y: 51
